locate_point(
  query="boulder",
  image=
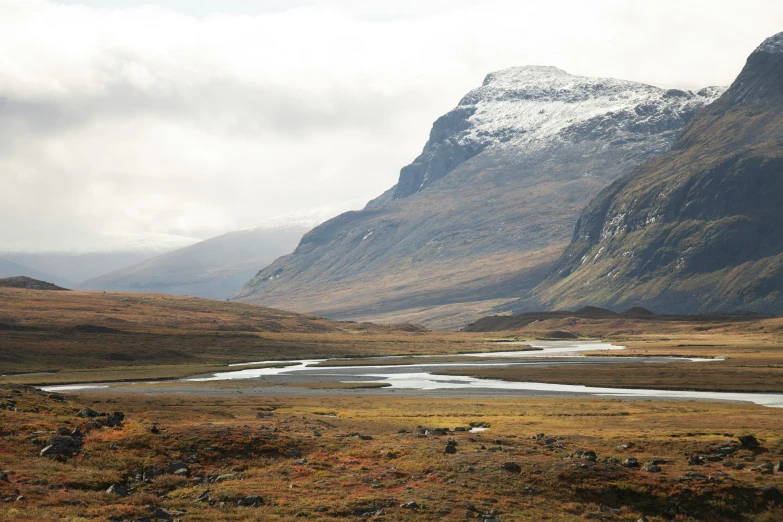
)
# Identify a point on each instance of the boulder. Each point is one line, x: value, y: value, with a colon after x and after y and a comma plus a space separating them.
x: 589, y: 455
x: 177, y: 467
x: 162, y: 514
x: 88, y: 413
x: 512, y: 467
x: 749, y: 442
x: 631, y: 463
x: 117, y: 490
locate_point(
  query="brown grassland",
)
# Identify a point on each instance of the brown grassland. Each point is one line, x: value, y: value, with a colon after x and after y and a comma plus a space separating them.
x: 305, y: 459
x: 350, y: 457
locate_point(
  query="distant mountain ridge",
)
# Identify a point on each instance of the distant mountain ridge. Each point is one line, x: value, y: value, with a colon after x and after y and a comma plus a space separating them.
x: 698, y: 229
x: 483, y: 212
x: 218, y: 267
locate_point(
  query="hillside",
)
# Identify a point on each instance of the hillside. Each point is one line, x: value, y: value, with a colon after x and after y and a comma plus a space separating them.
x: 697, y: 230
x: 83, y: 335
x: 27, y: 283
x: 480, y: 216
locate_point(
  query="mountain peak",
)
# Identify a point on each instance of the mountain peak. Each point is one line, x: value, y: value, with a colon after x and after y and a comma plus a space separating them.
x: 772, y: 45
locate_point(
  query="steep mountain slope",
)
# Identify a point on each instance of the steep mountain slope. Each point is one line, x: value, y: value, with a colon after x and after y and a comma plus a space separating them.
x: 698, y: 229
x: 483, y: 212
x: 218, y: 267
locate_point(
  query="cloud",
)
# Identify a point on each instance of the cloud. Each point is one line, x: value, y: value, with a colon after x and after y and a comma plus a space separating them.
x: 175, y: 119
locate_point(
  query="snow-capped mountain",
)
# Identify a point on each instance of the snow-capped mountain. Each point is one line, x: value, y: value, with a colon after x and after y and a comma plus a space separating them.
x: 533, y: 107
x: 479, y: 217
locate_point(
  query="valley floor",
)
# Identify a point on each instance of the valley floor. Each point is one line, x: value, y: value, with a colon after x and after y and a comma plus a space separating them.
x: 352, y: 458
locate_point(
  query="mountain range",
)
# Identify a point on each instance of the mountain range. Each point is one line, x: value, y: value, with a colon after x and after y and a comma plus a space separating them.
x: 697, y: 229
x: 478, y: 219
x: 218, y: 267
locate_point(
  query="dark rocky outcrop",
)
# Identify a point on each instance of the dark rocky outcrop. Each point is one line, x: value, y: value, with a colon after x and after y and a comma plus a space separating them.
x: 698, y: 229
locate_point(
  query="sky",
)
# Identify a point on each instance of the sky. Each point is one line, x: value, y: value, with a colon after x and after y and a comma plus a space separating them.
x: 187, y: 118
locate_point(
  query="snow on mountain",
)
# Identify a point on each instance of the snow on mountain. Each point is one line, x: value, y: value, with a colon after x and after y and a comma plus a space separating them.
x: 524, y: 109
x: 773, y: 44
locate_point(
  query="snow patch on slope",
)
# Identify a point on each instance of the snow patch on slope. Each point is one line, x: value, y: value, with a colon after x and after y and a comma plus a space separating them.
x: 529, y: 106
x: 773, y: 44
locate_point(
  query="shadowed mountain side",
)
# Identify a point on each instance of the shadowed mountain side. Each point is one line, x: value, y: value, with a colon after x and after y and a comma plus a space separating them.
x: 697, y: 230
x: 214, y: 269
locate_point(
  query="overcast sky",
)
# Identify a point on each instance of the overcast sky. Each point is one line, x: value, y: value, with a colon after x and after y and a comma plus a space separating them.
x: 194, y: 118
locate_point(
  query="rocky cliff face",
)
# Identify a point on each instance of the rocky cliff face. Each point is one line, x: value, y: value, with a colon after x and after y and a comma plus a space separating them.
x: 486, y: 208
x: 698, y: 229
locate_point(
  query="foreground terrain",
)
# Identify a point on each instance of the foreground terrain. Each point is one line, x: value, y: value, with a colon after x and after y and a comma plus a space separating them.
x: 249, y: 458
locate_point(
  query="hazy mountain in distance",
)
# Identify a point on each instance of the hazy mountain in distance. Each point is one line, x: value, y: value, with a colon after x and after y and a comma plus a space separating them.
x: 698, y: 229
x: 216, y: 268
x: 77, y: 263
x: 10, y: 269
x: 480, y: 216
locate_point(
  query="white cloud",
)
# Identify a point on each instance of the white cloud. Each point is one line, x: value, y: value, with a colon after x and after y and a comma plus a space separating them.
x: 168, y: 120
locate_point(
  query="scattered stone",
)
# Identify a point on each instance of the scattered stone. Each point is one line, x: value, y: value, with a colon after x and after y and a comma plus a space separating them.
x: 115, y: 419
x: 162, y: 514
x: 470, y: 469
x: 4, y: 477
x: 695, y: 461
x: 410, y: 505
x: 154, y: 429
x: 652, y: 468
x: 365, y: 437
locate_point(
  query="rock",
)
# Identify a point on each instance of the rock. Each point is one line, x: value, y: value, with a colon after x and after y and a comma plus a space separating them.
x: 749, y: 442
x: 64, y: 432
x: 96, y: 424
x: 58, y: 445
x: 4, y: 477
x: 115, y: 419
x: 162, y: 514
x: 610, y: 511
x: 470, y: 469
x: 589, y: 455
x: 293, y: 453
x: 410, y: 505
x: 154, y: 429
x: 251, y: 501
x: 20, y: 498
x: 451, y: 450
x: 177, y: 467
x: 151, y: 474
x: 695, y: 461
x: 652, y: 468
x: 642, y: 519
x: 765, y: 469
x: 87, y: 413
x: 117, y: 490
x: 365, y: 437
x: 771, y: 494
x: 779, y: 467
x: 631, y: 463
x: 512, y: 467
